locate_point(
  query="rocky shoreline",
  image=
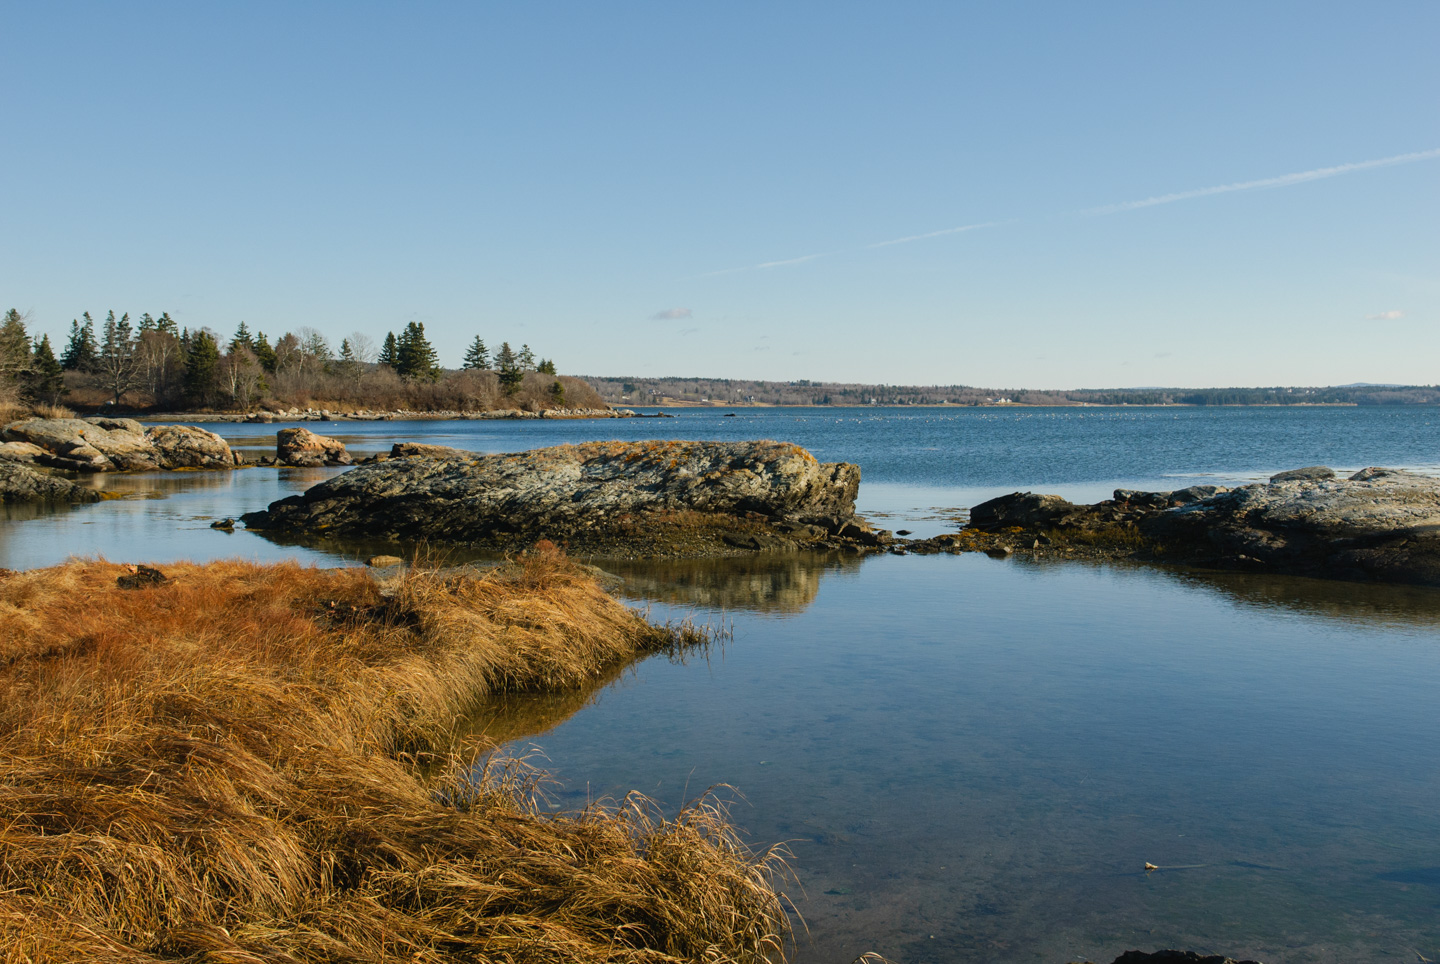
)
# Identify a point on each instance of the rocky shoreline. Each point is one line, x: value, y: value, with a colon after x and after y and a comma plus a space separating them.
x: 396, y: 415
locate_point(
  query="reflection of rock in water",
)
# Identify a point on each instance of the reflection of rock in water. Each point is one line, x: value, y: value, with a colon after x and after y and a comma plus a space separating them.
x: 1365, y: 604
x: 761, y: 583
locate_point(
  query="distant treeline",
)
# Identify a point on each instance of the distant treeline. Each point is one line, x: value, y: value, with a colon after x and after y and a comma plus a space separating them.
x: 154, y: 364
x: 734, y: 391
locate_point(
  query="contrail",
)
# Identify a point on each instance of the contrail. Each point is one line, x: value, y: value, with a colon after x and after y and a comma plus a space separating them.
x: 933, y: 234
x: 1284, y: 180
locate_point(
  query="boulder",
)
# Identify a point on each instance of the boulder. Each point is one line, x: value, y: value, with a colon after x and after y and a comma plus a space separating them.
x: 20, y: 452
x: 1309, y: 472
x: 1025, y: 509
x: 594, y: 492
x: 21, y: 483
x: 302, y: 447
x: 413, y: 450
x: 188, y: 447
x: 117, y: 444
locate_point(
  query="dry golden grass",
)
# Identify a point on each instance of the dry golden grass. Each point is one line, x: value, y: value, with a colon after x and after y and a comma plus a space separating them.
x: 226, y: 768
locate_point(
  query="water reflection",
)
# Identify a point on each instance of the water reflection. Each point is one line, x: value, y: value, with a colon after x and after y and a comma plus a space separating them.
x: 778, y: 584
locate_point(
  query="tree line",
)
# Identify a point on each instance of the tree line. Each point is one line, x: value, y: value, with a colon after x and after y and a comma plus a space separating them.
x: 155, y: 363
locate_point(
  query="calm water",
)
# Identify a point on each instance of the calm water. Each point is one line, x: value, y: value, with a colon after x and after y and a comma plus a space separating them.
x: 972, y: 759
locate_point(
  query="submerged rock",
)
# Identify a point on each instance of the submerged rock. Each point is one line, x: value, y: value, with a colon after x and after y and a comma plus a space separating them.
x: 659, y: 498
x: 114, y: 445
x: 21, y: 483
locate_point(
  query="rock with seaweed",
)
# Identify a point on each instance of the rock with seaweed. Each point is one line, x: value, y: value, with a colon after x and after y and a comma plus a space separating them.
x: 21, y: 483
x: 636, y: 499
x: 1378, y: 524
x: 115, y: 445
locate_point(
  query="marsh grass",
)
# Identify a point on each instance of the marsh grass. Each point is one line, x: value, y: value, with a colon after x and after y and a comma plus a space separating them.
x: 253, y: 763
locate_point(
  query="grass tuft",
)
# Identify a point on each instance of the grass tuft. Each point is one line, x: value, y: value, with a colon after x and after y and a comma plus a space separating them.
x: 230, y: 766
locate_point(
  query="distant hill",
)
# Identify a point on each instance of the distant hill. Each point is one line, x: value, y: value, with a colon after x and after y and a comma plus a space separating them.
x: 733, y: 392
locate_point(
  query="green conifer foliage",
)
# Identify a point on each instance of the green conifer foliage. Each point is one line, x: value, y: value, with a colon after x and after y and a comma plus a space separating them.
x: 81, y: 352
x: 264, y: 354
x: 47, y: 377
x: 14, y: 345
x: 390, y: 351
x: 202, y: 366
x: 478, y: 357
x: 414, y: 357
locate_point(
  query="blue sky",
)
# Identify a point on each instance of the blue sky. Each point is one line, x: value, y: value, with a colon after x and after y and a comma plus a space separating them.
x: 684, y: 189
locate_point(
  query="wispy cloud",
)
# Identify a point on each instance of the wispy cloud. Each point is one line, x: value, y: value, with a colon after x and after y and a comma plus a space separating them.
x: 672, y: 314
x: 934, y: 234
x: 1284, y: 180
x: 1391, y: 315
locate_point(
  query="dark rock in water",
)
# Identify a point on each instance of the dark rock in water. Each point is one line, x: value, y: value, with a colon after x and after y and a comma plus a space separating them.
x: 384, y: 562
x: 1025, y: 509
x: 118, y: 445
x: 1312, y: 472
x: 592, y: 495
x: 141, y: 577
x: 412, y: 450
x: 1195, y: 493
x: 1176, y: 957
x: 226, y: 524
x: 21, y: 483
x: 302, y: 448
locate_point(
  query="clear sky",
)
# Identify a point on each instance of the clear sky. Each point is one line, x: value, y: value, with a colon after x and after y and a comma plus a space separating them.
x: 751, y: 190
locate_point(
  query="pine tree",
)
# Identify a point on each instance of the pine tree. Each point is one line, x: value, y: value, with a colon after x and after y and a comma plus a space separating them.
x: 477, y: 359
x: 414, y: 357
x: 202, y: 365
x: 389, y: 352
x: 146, y: 324
x: 167, y: 325
x: 526, y: 359
x: 117, y: 363
x: 14, y: 345
x: 511, y: 375
x: 80, y: 353
x: 242, y: 338
x: 47, y: 377
x: 546, y: 367
x: 264, y: 354
x: 557, y: 393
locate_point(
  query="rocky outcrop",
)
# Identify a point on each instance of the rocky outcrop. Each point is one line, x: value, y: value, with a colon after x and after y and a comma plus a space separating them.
x: 302, y: 447
x: 645, y: 498
x: 113, y: 445
x: 1379, y: 524
x: 419, y: 450
x: 21, y: 483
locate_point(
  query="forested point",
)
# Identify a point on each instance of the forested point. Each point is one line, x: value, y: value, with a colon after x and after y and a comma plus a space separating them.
x: 154, y: 365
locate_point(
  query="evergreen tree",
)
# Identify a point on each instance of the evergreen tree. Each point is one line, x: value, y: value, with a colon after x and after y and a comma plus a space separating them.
x: 526, y: 359
x: 414, y: 357
x: 167, y: 325
x: 47, y: 377
x: 242, y: 338
x: 511, y: 375
x: 14, y: 345
x: 348, y: 366
x: 477, y: 359
x: 264, y: 354
x: 546, y: 367
x: 80, y: 353
x: 147, y: 323
x: 117, y: 363
x: 389, y: 352
x: 557, y: 393
x: 202, y: 365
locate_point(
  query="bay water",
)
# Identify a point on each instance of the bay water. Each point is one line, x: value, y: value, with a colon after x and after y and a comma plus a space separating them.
x: 974, y: 759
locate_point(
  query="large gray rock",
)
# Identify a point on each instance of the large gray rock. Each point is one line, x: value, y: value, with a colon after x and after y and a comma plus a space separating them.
x: 117, y: 445
x: 1381, y: 524
x: 21, y: 483
x: 570, y: 490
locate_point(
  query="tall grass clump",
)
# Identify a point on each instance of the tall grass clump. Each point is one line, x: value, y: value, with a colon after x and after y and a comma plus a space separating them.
x: 227, y: 767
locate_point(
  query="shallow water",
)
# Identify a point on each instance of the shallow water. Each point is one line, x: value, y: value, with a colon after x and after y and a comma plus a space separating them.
x: 971, y: 758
